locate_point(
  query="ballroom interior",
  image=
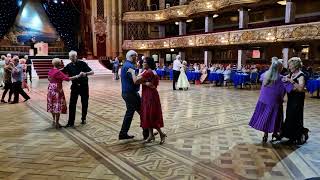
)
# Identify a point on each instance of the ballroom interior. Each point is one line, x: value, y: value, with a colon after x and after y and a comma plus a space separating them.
x: 207, y: 126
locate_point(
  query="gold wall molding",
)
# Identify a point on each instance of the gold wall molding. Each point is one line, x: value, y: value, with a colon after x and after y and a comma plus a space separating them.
x: 182, y: 11
x: 100, y: 25
x: 286, y: 33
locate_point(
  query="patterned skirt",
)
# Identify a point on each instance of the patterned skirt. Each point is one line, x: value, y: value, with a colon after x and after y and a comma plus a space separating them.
x: 56, y: 101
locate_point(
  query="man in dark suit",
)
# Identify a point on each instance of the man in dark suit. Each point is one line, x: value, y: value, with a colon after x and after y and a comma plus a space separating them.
x: 29, y: 67
x: 79, y: 86
x: 32, y: 43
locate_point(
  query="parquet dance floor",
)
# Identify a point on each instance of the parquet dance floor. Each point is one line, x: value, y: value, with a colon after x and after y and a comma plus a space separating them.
x: 208, y: 138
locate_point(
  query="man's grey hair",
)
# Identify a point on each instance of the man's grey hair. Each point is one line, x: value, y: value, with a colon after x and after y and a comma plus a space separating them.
x: 131, y: 53
x: 73, y: 54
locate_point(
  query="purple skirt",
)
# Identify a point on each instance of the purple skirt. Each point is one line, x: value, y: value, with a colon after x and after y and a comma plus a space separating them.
x: 267, y: 118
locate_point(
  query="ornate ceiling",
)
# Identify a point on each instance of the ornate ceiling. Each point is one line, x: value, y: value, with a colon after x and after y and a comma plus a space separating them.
x: 297, y: 32
x: 196, y: 6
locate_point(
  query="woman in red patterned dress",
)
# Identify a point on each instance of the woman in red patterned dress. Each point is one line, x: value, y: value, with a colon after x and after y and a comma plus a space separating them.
x: 56, y: 101
x: 151, y: 113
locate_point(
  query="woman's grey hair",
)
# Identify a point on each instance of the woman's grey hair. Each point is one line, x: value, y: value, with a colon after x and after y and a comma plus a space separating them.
x: 296, y: 62
x: 130, y: 54
x: 272, y: 75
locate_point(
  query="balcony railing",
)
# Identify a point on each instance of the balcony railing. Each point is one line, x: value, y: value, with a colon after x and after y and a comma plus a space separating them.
x: 183, y: 11
x: 286, y: 33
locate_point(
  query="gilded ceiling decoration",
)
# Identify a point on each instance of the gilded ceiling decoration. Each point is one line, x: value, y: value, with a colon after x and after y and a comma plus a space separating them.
x: 183, y: 11
x: 285, y: 33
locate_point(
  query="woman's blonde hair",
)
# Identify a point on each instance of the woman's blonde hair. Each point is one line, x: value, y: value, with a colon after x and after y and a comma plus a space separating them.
x: 271, y: 76
x: 22, y: 61
x: 296, y: 62
x: 56, y: 62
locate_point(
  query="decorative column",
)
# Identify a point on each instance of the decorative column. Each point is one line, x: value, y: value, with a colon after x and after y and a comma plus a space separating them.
x: 114, y: 22
x: 290, y: 12
x: 182, y: 2
x: 161, y: 27
x: 289, y: 18
x: 241, y: 58
x: 287, y: 53
x: 208, y: 28
x: 109, y: 28
x: 93, y: 16
x: 99, y: 25
x: 243, y: 18
x: 120, y: 33
x: 162, y: 31
x: 243, y: 23
x: 182, y: 31
x: 182, y: 28
x: 207, y: 57
x: 208, y: 24
x: 182, y: 55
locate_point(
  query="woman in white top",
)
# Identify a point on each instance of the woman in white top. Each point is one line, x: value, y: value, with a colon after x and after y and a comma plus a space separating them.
x: 227, y: 74
x: 2, y: 63
x: 183, y: 81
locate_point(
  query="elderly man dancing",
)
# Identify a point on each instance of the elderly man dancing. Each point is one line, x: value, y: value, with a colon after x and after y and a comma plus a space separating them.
x: 79, y: 87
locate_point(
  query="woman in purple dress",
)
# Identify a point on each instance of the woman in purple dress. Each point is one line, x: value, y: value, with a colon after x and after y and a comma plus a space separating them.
x: 268, y: 114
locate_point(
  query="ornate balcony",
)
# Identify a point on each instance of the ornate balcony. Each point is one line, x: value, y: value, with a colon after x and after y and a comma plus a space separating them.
x: 287, y: 33
x: 196, y: 6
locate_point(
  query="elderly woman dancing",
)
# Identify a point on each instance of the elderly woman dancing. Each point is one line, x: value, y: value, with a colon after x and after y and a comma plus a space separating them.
x: 268, y: 114
x: 293, y: 128
x: 56, y: 101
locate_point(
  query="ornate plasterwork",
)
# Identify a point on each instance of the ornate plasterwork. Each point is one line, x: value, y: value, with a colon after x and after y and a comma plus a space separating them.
x: 182, y: 11
x: 297, y: 32
x: 100, y: 26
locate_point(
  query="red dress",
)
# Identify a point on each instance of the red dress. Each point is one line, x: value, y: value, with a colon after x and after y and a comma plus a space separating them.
x: 151, y: 113
x: 56, y: 101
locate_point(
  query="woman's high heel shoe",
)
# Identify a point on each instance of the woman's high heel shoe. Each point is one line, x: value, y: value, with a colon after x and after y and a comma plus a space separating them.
x: 275, y: 137
x: 58, y: 126
x: 149, y: 139
x: 163, y: 138
x: 265, y: 138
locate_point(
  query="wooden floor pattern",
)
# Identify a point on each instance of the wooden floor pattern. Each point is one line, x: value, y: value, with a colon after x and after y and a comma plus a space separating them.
x: 208, y: 138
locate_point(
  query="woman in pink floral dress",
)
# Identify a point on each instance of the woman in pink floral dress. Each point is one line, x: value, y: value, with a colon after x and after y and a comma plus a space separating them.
x: 56, y: 101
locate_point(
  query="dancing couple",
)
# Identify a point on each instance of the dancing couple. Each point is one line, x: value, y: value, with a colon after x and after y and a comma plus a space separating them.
x: 180, y: 78
x: 268, y: 115
x: 78, y: 72
x: 149, y: 106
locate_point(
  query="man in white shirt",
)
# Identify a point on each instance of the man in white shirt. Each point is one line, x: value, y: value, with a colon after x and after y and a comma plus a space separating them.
x: 176, y: 70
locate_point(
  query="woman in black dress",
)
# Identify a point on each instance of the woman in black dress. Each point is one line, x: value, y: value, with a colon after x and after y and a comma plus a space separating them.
x: 293, y: 128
